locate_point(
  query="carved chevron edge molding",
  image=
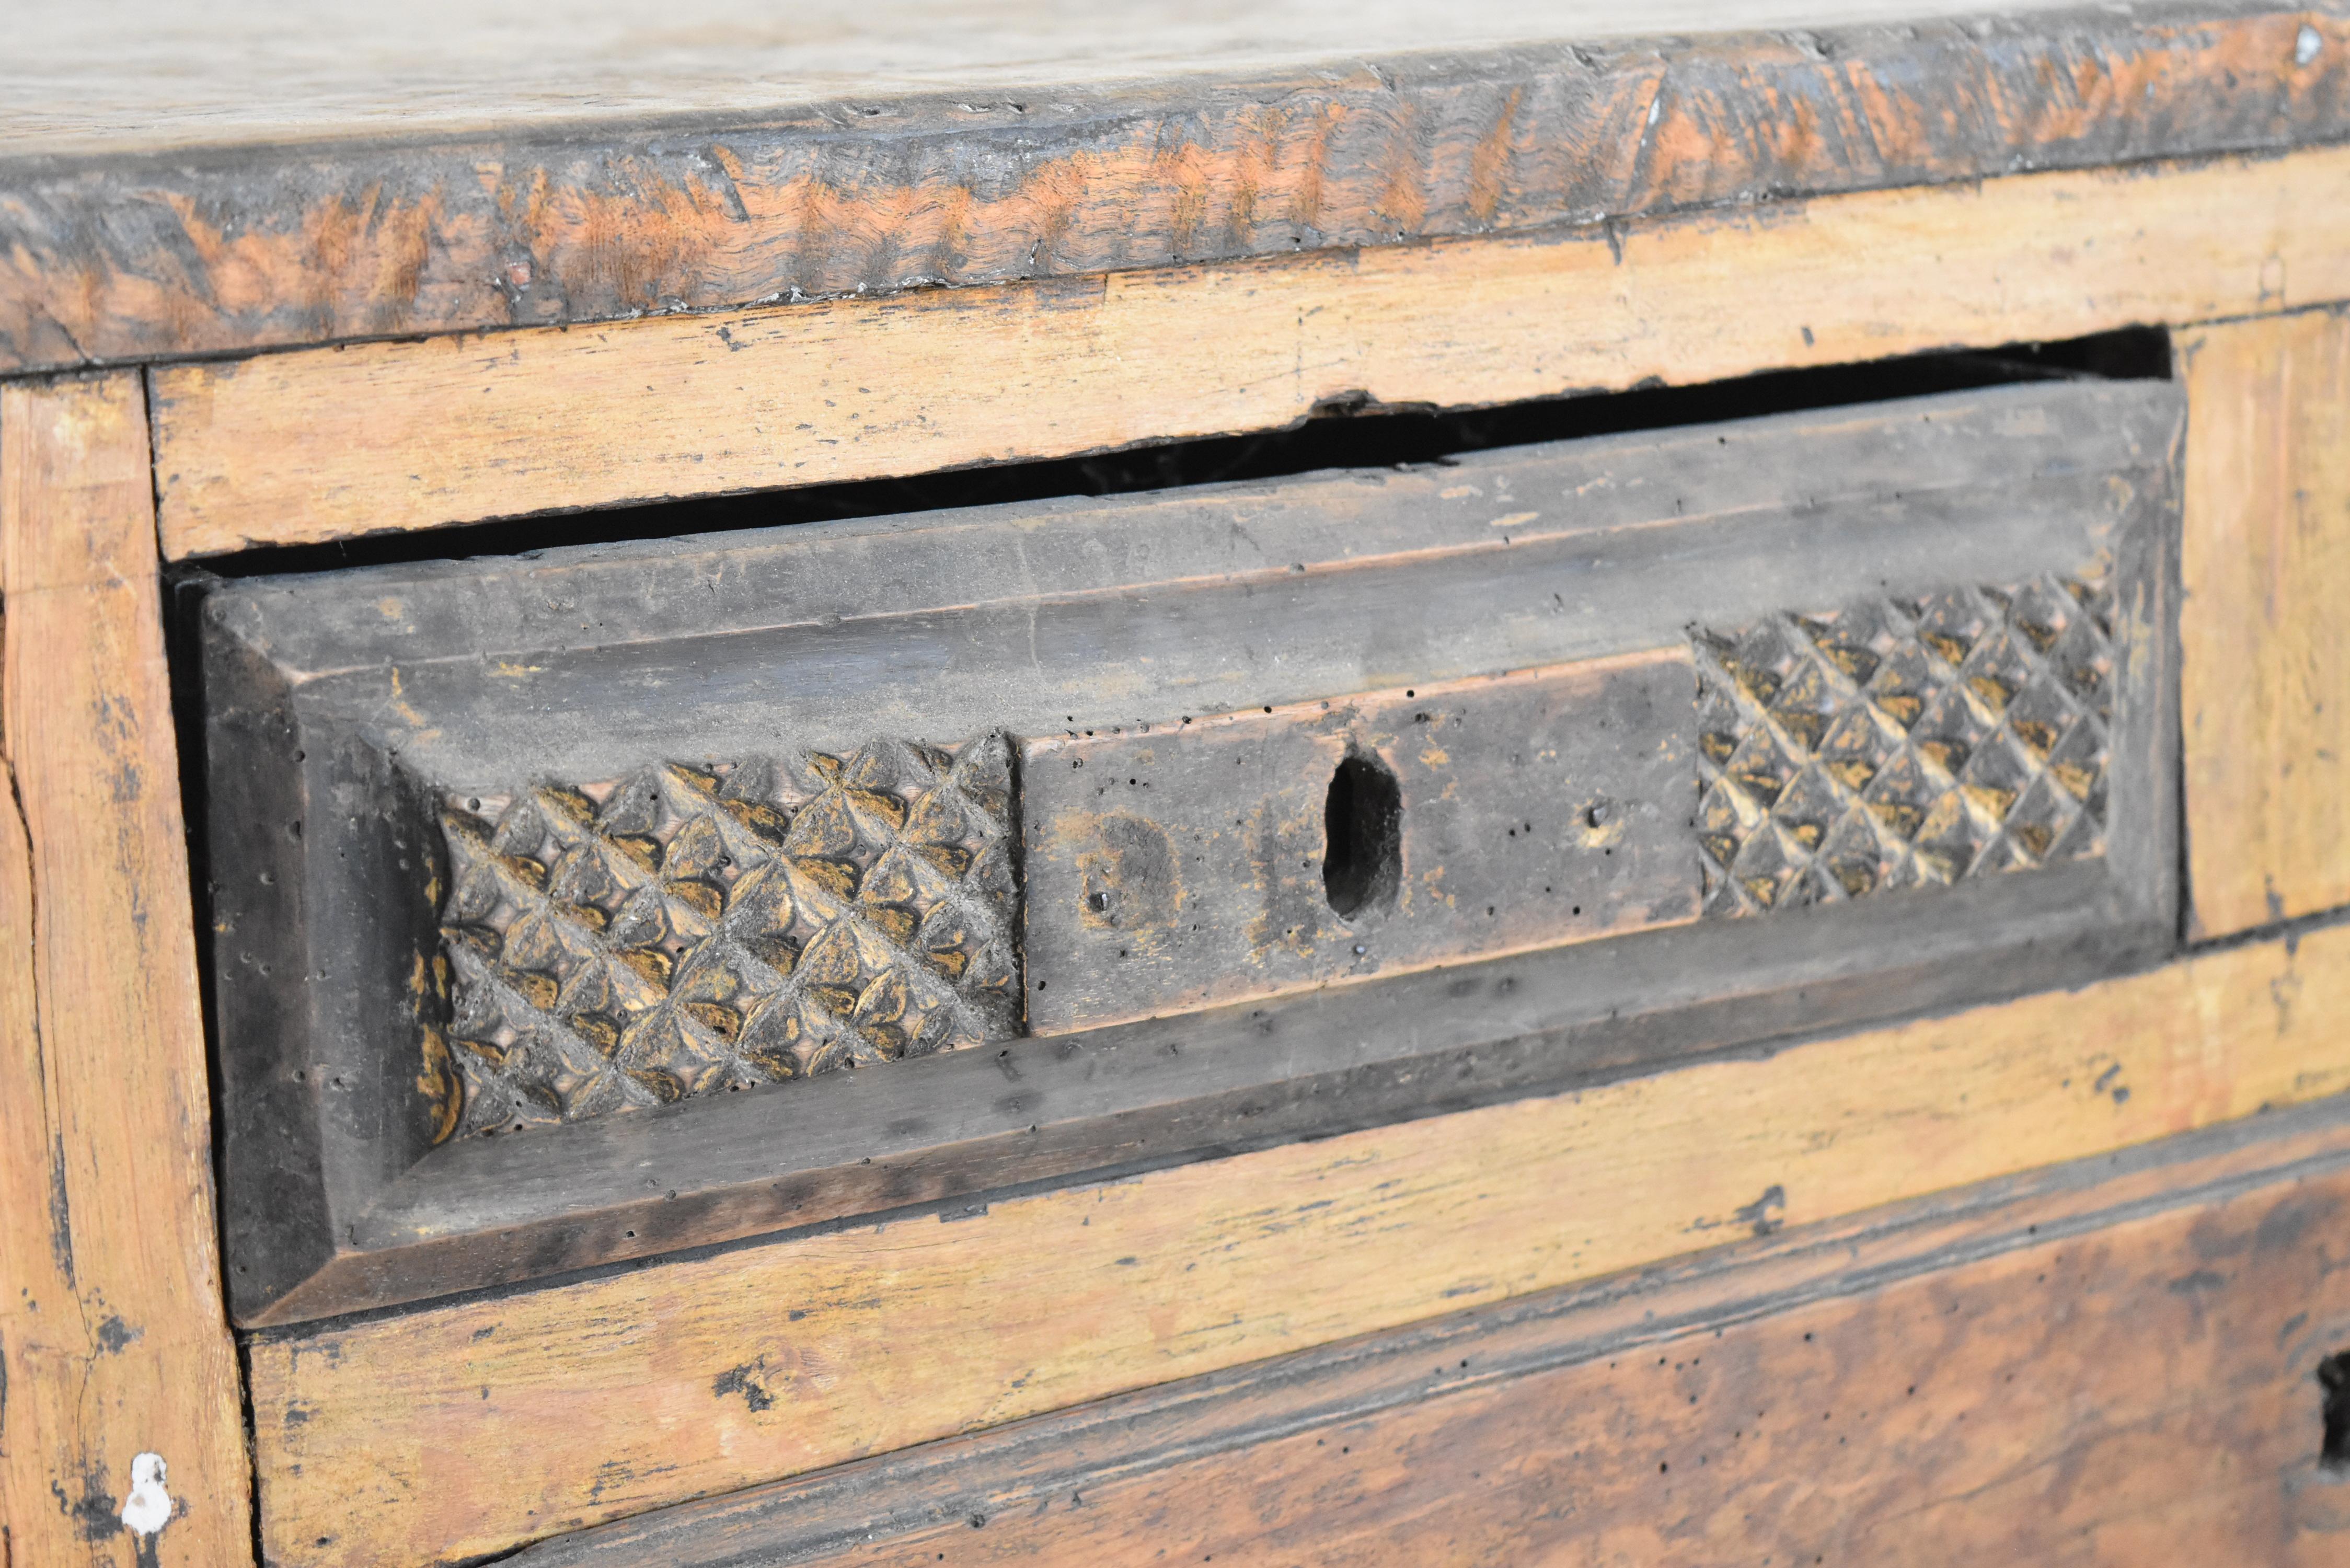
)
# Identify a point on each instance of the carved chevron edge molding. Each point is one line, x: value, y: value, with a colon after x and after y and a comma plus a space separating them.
x: 1903, y: 742
x: 690, y: 929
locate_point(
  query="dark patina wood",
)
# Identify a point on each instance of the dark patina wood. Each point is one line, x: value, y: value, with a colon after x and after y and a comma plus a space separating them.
x: 355, y: 719
x: 1283, y: 848
x: 143, y: 233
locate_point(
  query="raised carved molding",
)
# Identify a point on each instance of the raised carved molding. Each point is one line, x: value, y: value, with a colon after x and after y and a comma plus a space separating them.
x: 695, y: 928
x: 1903, y: 742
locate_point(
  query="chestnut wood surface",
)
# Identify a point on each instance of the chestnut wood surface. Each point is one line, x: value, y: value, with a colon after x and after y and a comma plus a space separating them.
x: 2265, y: 558
x: 257, y: 178
x: 632, y: 1389
x: 118, y: 1364
x: 325, y: 444
x: 2111, y: 1361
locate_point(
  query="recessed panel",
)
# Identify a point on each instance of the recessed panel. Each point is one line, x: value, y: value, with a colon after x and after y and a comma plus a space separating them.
x: 1245, y: 854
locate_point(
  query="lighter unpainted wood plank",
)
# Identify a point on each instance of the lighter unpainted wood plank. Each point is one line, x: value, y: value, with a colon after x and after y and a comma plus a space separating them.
x: 121, y: 1367
x: 2265, y: 673
x: 43, y: 1339
x: 619, y: 1394
x: 330, y: 443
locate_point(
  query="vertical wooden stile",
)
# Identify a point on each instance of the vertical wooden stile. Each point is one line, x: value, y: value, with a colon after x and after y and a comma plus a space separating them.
x: 122, y: 1432
x: 2265, y: 674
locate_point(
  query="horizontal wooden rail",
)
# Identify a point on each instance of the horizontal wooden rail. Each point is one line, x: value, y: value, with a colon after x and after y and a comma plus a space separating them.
x: 331, y: 444
x: 622, y: 1393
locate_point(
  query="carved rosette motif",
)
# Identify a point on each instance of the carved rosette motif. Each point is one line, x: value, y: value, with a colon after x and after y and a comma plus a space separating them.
x: 1903, y: 742
x: 690, y: 929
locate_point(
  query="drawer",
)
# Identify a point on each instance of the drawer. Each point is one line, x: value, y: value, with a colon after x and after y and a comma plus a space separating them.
x: 606, y: 901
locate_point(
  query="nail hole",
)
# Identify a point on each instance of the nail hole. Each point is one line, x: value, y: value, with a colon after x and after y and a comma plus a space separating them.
x: 1362, y: 823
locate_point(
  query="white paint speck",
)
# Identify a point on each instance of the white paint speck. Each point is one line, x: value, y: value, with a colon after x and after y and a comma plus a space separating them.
x: 2305, y: 45
x: 148, y: 1507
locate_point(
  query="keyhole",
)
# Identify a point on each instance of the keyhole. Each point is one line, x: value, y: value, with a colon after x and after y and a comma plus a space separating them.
x: 2333, y: 1376
x: 1362, y: 825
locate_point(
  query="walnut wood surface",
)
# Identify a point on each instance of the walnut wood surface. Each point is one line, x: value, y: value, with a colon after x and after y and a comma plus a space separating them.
x: 2266, y: 678
x: 352, y: 227
x: 2048, y: 1368
x: 624, y: 1392
x: 117, y: 1349
x: 325, y: 444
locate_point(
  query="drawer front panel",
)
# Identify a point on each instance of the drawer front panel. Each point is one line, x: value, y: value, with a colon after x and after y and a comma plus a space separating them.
x: 618, y: 899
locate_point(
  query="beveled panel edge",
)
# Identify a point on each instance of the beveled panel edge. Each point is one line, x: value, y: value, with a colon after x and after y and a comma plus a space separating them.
x: 964, y: 1128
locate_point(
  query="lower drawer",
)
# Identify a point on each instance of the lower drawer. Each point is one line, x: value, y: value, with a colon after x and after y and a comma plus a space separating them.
x: 2138, y: 1358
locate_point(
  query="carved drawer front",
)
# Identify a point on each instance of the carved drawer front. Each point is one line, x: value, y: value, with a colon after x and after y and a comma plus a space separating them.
x: 611, y: 901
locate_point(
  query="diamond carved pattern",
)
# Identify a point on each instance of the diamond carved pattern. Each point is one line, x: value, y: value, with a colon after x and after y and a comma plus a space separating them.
x: 692, y: 928
x: 1903, y: 742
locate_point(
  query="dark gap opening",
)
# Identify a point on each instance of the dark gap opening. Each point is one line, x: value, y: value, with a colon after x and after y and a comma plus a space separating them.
x: 1345, y: 432
x: 1362, y: 821
x: 2333, y: 1376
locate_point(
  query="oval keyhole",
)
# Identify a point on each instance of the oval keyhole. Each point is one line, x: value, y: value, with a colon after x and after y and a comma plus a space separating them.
x: 1362, y: 825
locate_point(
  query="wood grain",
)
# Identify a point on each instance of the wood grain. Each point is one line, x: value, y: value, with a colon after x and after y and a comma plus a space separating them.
x: 2265, y: 676
x: 474, y: 678
x: 116, y: 1348
x: 1168, y: 870
x: 1673, y: 1413
x: 301, y: 447
x: 625, y: 1392
x: 249, y: 73
x: 44, y: 1338
x: 115, y: 245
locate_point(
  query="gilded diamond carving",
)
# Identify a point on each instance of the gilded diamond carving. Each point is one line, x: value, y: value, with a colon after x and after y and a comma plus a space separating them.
x: 692, y: 928
x: 1903, y: 742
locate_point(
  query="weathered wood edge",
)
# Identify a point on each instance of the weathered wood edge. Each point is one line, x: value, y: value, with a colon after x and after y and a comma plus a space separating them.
x: 1011, y: 1470
x: 107, y: 260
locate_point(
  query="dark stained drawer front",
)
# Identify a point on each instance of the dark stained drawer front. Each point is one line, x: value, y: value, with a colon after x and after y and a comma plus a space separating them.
x: 608, y: 901
x: 1287, y: 848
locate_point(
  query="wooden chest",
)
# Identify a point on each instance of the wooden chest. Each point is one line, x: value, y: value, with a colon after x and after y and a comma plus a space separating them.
x: 888, y: 788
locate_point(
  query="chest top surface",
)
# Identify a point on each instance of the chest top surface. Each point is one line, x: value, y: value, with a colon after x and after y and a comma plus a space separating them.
x: 261, y: 176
